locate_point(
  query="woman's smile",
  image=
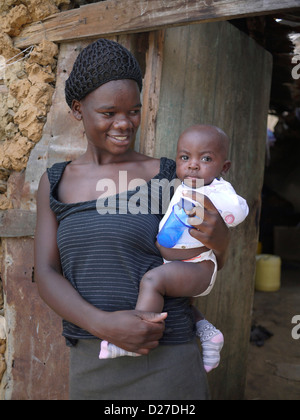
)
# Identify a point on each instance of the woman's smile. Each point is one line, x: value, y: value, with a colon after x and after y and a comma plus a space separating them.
x: 122, y: 140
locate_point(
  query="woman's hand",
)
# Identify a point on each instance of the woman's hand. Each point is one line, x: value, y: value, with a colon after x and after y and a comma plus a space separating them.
x: 212, y: 231
x: 134, y: 331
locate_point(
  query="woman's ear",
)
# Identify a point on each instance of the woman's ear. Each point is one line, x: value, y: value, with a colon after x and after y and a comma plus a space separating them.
x: 76, y: 110
x: 226, y: 167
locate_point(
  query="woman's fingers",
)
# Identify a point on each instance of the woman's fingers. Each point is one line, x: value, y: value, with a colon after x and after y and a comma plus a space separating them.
x: 153, y: 316
x: 203, y: 212
x: 209, y: 227
x: 201, y: 199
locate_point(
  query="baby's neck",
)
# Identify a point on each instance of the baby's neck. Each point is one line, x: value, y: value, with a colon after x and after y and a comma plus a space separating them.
x: 200, y: 184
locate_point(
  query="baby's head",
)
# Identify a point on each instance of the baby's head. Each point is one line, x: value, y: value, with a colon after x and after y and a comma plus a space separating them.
x: 202, y: 153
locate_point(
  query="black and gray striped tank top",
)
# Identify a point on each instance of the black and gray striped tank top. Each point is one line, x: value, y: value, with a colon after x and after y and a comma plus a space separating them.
x: 104, y: 255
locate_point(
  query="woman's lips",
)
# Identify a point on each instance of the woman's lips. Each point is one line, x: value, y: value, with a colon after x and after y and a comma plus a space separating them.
x: 118, y: 139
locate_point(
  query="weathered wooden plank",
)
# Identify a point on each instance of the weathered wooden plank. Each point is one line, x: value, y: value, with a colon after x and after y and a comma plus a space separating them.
x: 215, y: 74
x: 113, y: 17
x: 151, y: 92
x: 188, y: 83
x: 17, y: 223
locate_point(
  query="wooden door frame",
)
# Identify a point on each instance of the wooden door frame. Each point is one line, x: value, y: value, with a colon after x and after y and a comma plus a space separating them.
x: 116, y: 17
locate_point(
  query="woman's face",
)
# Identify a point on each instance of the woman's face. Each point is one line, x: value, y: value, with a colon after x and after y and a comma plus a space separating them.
x: 111, y: 116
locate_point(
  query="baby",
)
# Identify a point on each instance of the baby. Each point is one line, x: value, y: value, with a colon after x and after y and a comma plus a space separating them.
x: 202, y: 154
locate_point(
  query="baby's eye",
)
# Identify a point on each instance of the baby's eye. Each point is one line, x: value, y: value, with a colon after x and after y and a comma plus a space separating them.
x: 206, y: 159
x: 184, y: 157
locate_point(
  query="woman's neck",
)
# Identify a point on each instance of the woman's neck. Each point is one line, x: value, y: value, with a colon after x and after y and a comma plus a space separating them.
x: 96, y: 157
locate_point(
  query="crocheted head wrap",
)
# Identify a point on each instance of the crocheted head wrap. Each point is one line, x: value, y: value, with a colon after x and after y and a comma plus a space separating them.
x: 99, y: 63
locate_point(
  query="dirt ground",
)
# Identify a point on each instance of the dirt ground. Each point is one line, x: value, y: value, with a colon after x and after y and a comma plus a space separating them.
x: 274, y: 368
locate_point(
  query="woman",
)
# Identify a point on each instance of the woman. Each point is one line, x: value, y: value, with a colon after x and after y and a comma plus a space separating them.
x: 88, y: 263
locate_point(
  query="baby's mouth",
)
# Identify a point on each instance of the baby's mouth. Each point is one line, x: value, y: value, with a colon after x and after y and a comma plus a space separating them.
x: 193, y: 181
x: 192, y: 177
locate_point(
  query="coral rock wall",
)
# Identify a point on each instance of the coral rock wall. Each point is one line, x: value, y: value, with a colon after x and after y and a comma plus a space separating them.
x: 26, y: 86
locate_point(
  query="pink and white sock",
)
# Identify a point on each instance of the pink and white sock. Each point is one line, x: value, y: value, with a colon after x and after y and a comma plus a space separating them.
x: 212, y: 342
x: 110, y: 351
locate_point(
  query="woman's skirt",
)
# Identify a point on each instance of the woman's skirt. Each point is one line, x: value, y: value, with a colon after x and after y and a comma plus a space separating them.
x: 167, y: 373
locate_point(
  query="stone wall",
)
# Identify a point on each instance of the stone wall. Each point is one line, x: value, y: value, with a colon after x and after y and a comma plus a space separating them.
x: 26, y: 87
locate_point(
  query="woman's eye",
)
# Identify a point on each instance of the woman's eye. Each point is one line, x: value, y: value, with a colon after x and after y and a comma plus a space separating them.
x: 108, y: 114
x: 135, y: 112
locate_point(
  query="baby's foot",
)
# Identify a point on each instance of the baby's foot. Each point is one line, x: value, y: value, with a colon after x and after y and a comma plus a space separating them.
x: 212, y: 341
x: 110, y: 351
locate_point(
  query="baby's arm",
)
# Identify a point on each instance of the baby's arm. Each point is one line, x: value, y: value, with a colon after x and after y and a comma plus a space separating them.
x: 175, y: 254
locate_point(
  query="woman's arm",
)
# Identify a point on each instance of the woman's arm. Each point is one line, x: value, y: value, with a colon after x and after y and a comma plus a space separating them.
x: 135, y: 330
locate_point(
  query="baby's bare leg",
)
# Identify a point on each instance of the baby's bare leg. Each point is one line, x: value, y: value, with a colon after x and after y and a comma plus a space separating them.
x: 175, y: 279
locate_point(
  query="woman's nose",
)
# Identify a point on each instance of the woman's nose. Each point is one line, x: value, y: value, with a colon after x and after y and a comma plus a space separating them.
x: 122, y: 123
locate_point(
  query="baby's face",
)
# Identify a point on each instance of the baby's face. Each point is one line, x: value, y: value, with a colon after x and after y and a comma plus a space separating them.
x: 200, y: 156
